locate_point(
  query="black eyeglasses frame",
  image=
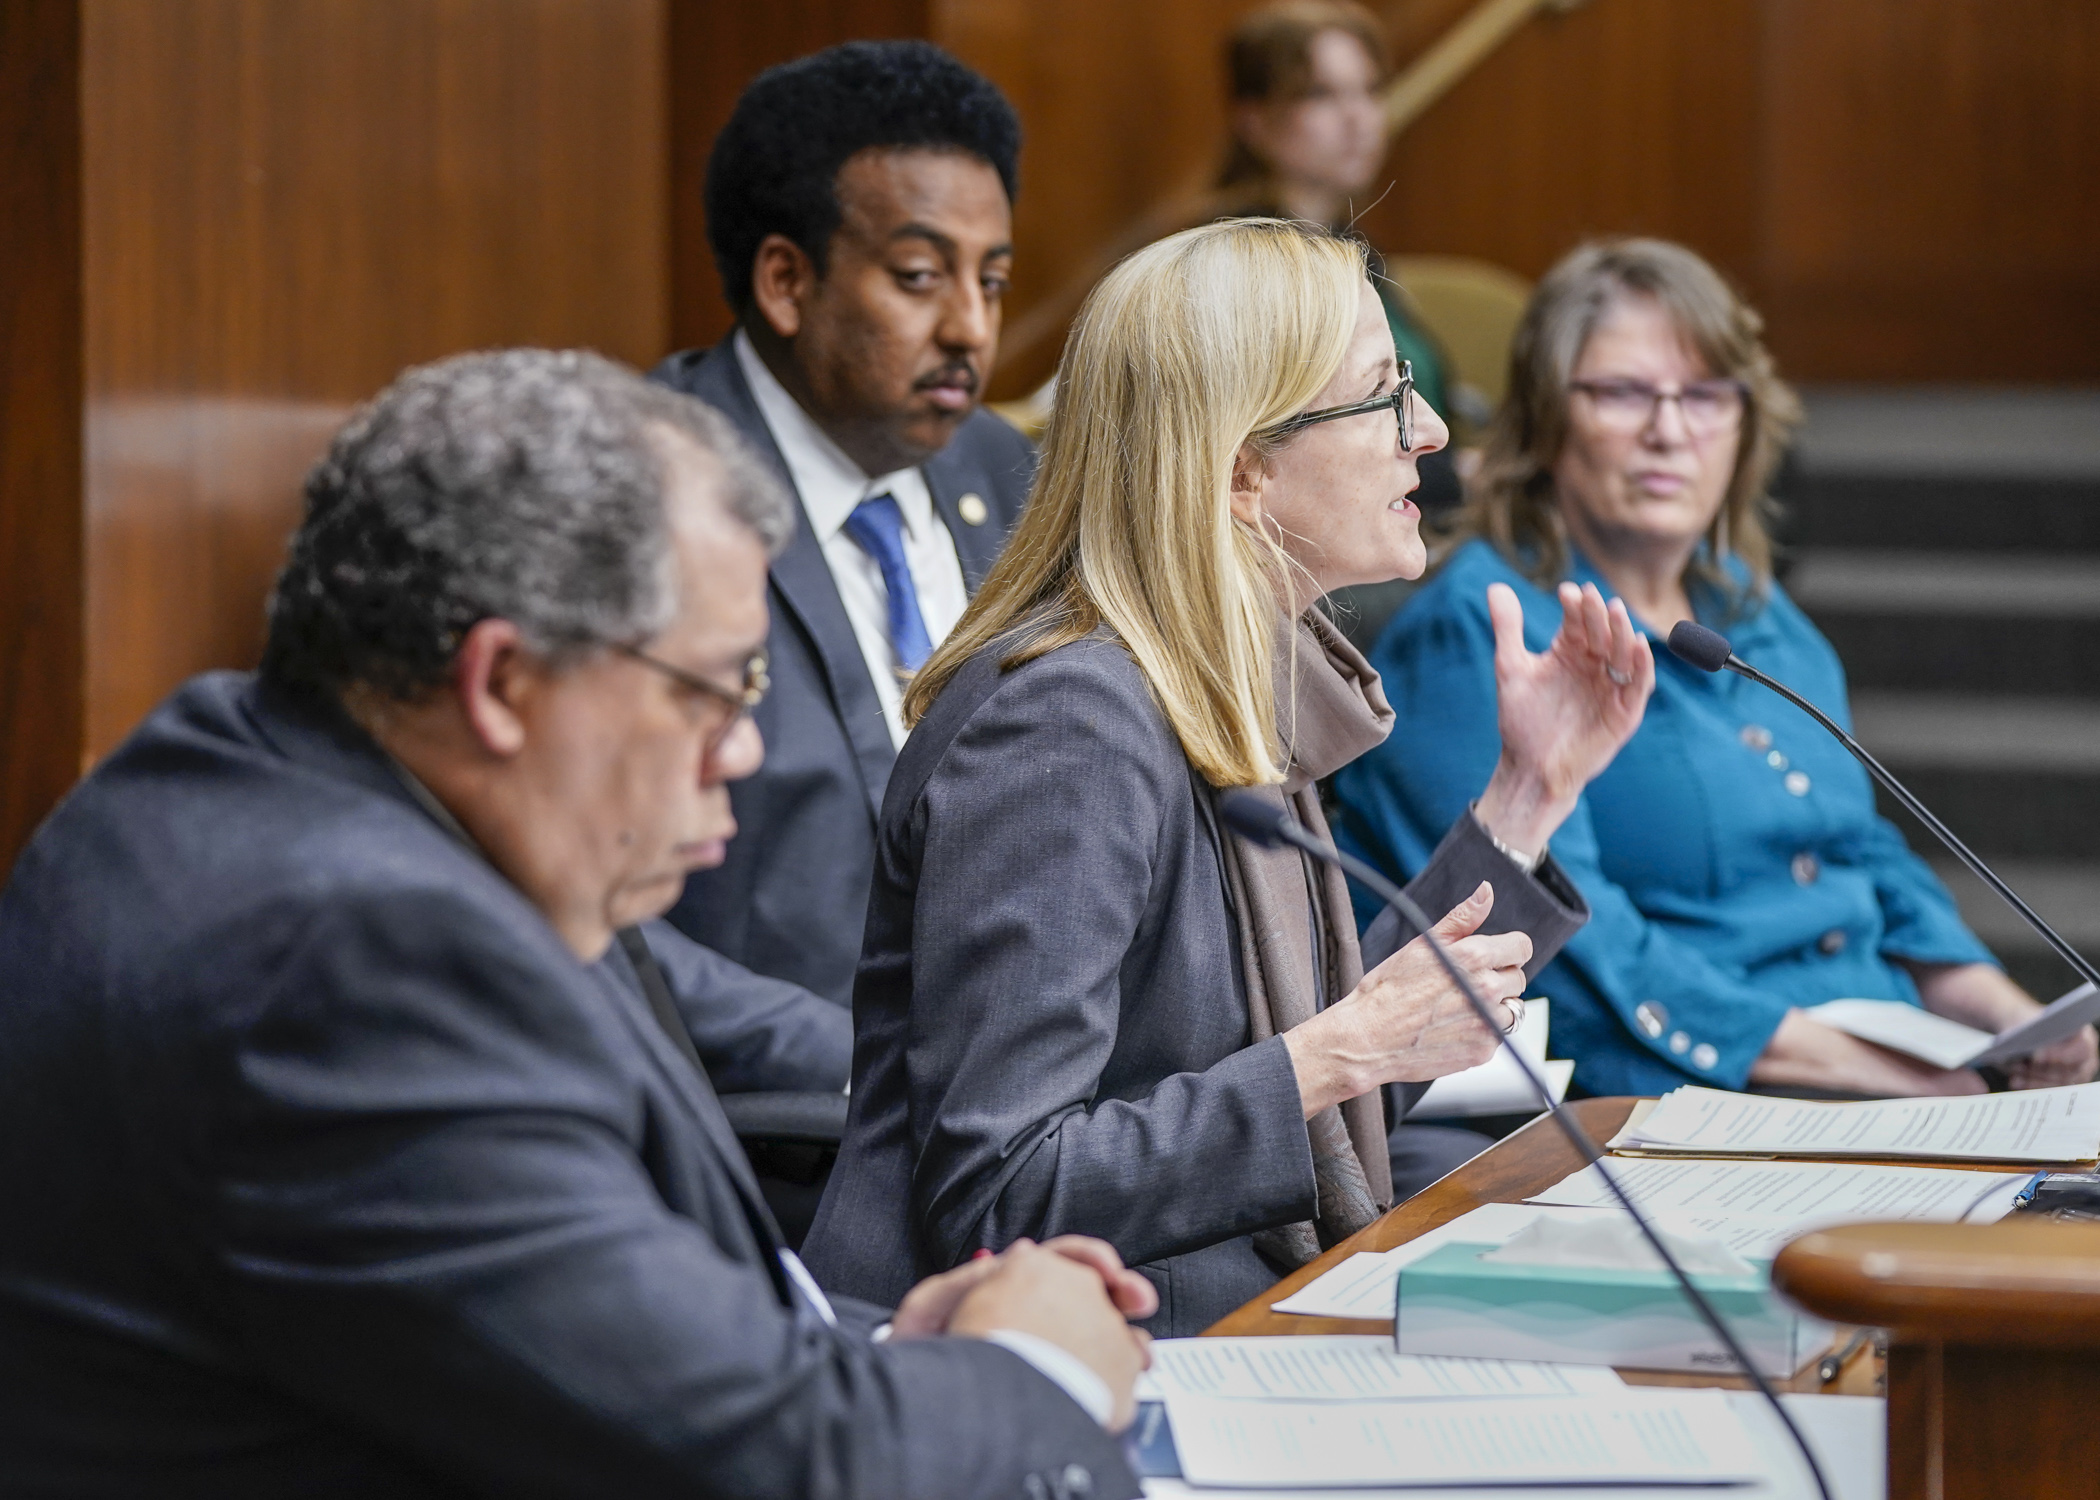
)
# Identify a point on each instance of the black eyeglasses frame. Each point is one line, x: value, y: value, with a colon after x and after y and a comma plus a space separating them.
x: 1400, y: 400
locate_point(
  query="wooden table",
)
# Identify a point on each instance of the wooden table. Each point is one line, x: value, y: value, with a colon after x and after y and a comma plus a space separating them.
x: 1527, y: 1162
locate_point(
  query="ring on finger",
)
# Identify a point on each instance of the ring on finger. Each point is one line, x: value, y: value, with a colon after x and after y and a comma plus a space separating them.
x: 1515, y: 1006
x: 1620, y: 679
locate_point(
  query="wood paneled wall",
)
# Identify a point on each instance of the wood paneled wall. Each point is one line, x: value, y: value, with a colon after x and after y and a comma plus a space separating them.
x: 286, y: 202
x: 717, y: 47
x: 1906, y: 187
x: 42, y: 697
x: 229, y: 220
x: 1930, y: 204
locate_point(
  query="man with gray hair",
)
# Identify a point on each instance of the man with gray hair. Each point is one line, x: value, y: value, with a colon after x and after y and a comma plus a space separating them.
x: 339, y: 1158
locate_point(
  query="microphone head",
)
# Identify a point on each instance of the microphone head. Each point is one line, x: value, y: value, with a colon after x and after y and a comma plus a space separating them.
x: 1252, y: 818
x: 1708, y: 650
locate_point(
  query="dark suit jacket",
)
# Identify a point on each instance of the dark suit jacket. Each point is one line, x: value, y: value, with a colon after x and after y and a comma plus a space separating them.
x: 1051, y: 1031
x: 754, y: 1033
x: 329, y: 1171
x: 792, y: 897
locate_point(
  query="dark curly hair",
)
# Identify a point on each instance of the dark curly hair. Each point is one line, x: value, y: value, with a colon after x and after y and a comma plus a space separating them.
x: 775, y: 166
x: 526, y: 484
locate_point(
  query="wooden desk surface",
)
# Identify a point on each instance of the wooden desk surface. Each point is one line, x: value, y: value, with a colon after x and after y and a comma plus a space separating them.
x: 1533, y: 1159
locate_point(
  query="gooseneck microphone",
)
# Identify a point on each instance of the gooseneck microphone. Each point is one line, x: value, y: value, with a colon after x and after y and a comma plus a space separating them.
x: 1709, y: 651
x: 1270, y: 826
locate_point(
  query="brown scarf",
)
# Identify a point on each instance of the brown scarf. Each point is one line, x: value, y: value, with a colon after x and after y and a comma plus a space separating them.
x: 1330, y: 709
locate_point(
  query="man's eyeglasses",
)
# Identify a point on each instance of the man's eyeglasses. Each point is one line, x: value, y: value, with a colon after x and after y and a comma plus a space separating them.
x: 1707, y: 406
x: 1400, y: 401
x: 734, y: 702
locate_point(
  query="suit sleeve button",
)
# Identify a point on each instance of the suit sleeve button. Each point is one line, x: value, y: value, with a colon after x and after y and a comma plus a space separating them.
x: 1806, y: 868
x: 1651, y: 1018
x: 1832, y: 942
x: 1704, y: 1057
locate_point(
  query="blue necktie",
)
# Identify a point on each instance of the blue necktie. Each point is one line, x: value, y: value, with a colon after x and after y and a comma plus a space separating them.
x: 877, y: 524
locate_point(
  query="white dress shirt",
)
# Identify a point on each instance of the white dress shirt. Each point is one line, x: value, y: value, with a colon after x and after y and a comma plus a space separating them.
x: 831, y: 485
x: 1068, y: 1372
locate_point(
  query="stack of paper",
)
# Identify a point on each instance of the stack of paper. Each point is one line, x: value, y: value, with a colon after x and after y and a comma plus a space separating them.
x: 1751, y: 1207
x: 1498, y: 1086
x: 1848, y: 1433
x: 1350, y: 1367
x: 1794, y: 1197
x: 1626, y: 1437
x: 2036, y: 1125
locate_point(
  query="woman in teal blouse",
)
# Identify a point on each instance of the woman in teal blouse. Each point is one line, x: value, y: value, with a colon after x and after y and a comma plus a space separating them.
x: 1735, y: 866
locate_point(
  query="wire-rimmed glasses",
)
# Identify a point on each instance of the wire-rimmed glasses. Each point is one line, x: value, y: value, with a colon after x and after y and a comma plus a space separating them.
x: 1400, y: 401
x: 733, y: 703
x: 1707, y: 406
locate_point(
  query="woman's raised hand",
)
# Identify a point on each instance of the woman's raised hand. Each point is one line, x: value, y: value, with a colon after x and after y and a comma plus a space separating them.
x: 1405, y: 1023
x: 1563, y: 713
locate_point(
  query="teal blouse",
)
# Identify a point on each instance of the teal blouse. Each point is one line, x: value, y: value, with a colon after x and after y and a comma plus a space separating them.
x: 1731, y: 854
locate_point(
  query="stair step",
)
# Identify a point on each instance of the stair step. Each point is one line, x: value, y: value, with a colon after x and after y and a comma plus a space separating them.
x: 2016, y: 585
x: 1928, y: 512
x: 1948, y: 731
x: 2004, y: 814
x: 1966, y: 653
x: 1974, y: 432
x: 2066, y: 894
x: 2013, y: 777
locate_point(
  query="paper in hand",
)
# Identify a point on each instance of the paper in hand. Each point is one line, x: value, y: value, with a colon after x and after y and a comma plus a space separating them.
x: 1949, y: 1044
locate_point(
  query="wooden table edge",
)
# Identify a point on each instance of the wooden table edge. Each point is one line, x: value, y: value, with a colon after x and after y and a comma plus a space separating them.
x: 1526, y: 1161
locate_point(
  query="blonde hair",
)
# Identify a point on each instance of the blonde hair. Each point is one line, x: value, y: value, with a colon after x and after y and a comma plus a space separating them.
x: 1268, y: 60
x: 1511, y: 499
x: 1180, y: 357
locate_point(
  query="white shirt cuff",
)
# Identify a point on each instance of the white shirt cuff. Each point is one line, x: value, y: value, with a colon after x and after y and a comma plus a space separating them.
x: 1066, y: 1371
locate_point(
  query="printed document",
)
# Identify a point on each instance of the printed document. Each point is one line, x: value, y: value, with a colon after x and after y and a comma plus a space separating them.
x: 1847, y: 1432
x: 1798, y: 1195
x: 2034, y: 1125
x: 1631, y: 1436
x: 1353, y: 1367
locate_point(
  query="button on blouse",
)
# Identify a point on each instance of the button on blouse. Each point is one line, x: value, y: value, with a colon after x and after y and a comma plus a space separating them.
x: 1732, y: 857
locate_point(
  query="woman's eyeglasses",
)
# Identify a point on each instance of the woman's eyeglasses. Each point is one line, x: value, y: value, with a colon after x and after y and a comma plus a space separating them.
x: 731, y: 703
x: 1707, y: 406
x: 1400, y: 402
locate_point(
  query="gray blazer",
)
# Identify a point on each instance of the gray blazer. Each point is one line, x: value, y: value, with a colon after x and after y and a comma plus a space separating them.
x: 791, y: 898
x: 329, y: 1171
x: 754, y: 1034
x: 1051, y: 1031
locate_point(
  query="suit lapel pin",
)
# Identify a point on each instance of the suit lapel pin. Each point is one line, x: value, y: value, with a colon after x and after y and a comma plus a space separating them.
x: 971, y: 509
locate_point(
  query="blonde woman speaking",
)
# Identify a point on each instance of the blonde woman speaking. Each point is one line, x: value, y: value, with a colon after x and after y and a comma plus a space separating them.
x: 1082, y: 1005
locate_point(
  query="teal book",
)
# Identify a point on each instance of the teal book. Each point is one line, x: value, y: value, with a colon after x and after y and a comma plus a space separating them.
x: 1454, y: 1302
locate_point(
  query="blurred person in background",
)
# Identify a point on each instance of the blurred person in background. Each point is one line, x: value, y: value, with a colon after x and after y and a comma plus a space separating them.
x: 1085, y: 1005
x: 1732, y: 855
x: 860, y: 211
x: 1305, y: 80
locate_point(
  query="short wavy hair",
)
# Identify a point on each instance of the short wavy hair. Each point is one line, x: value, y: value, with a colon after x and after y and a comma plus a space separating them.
x: 524, y: 484
x: 775, y: 166
x: 1510, y: 500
